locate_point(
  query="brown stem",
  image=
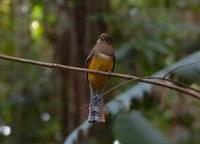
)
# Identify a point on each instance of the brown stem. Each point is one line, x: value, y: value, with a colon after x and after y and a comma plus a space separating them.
x: 175, y: 82
x: 117, y: 75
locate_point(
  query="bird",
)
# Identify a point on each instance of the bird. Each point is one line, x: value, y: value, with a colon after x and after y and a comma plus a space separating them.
x: 100, y: 58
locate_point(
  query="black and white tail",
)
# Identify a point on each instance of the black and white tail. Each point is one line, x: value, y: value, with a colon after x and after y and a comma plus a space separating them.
x: 96, y: 108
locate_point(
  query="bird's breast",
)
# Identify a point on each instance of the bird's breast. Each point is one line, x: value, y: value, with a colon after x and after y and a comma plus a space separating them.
x: 100, y: 62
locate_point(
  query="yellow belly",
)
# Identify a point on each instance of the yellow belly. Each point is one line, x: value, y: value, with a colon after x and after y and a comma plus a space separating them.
x: 101, y: 63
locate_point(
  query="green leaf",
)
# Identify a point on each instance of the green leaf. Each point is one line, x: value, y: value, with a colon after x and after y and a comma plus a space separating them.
x: 37, y: 12
x: 132, y: 128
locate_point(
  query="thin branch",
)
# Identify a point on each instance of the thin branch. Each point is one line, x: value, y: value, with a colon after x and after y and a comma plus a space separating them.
x: 175, y: 82
x: 119, y: 85
x: 179, y: 67
x: 117, y: 75
x: 124, y: 83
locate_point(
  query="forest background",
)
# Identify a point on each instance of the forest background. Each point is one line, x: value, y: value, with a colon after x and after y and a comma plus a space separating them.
x: 41, y: 105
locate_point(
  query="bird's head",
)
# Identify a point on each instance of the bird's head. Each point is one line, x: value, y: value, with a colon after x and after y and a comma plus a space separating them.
x: 104, y: 37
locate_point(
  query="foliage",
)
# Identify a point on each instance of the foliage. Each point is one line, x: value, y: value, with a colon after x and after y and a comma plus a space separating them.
x: 133, y: 127
x: 148, y: 36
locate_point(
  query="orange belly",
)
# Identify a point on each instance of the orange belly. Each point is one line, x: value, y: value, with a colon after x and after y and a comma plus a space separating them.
x: 102, y: 63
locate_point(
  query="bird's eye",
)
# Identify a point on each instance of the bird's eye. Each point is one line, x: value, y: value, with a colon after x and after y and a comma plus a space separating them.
x: 102, y: 39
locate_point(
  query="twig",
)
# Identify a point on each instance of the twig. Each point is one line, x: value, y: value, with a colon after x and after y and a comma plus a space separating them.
x: 119, y: 85
x: 124, y: 83
x: 179, y: 67
x: 117, y: 75
x: 175, y: 82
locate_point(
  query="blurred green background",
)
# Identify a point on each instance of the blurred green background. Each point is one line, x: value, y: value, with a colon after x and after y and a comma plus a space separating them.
x: 43, y: 106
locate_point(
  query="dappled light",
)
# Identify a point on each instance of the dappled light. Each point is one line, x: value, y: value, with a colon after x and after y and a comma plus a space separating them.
x: 52, y: 81
x: 5, y: 130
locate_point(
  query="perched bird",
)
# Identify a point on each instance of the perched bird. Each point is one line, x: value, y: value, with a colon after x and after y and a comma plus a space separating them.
x: 101, y: 58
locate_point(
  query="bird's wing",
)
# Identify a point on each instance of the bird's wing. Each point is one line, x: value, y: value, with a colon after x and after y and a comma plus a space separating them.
x: 114, y: 59
x: 87, y: 62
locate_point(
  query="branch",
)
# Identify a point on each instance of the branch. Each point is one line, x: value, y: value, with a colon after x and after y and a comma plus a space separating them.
x: 121, y: 84
x: 117, y: 75
x: 175, y: 82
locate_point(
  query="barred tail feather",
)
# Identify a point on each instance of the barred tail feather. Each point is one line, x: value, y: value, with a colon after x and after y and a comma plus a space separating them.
x: 96, y: 109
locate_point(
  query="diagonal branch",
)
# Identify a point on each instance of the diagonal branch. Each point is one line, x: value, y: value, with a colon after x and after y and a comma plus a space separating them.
x: 117, y: 75
x: 175, y: 82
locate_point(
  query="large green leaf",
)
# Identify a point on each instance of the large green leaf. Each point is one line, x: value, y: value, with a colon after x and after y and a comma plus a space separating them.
x: 132, y: 127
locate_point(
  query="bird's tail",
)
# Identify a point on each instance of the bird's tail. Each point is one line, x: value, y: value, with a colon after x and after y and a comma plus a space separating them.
x: 96, y: 109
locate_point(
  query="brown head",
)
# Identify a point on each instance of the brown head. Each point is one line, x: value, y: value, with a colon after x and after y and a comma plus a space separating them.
x: 104, y: 37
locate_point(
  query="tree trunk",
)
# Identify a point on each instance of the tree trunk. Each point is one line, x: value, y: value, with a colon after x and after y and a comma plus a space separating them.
x: 69, y: 50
